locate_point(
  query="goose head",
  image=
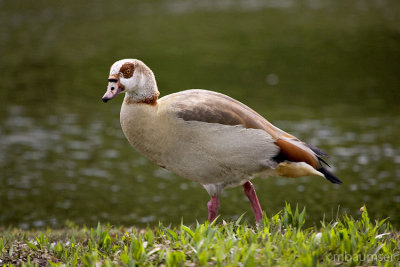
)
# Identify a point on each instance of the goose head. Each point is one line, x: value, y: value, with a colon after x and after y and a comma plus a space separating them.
x: 133, y: 77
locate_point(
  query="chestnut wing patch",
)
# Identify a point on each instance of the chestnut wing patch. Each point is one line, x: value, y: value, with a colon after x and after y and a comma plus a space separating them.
x: 293, y: 151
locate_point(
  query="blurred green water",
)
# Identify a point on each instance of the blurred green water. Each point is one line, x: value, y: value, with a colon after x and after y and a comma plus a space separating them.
x: 326, y: 71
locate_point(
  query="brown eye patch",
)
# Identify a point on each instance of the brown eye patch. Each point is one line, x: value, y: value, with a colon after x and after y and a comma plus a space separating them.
x: 127, y: 70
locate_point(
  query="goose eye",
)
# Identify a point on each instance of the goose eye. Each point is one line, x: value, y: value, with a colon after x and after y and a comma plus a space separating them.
x: 127, y: 70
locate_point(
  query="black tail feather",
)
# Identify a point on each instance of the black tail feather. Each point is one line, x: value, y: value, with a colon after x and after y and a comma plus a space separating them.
x: 322, y: 160
x: 319, y: 153
x: 316, y: 150
x: 329, y: 176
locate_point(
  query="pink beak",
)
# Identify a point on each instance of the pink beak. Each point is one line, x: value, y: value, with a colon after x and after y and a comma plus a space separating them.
x: 114, y: 88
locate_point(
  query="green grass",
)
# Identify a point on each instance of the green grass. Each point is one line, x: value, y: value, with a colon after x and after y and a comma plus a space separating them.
x: 281, y: 240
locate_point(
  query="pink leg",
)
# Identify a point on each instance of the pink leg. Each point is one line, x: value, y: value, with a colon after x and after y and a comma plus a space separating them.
x: 252, y: 196
x: 213, y: 206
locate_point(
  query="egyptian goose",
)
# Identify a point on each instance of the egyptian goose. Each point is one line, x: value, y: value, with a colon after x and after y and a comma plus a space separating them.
x: 206, y: 136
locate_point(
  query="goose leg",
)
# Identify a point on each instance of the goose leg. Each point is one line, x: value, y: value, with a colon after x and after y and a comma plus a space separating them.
x: 252, y: 196
x: 213, y: 206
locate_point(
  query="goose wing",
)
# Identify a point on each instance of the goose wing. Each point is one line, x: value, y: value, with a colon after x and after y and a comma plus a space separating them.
x: 212, y: 107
